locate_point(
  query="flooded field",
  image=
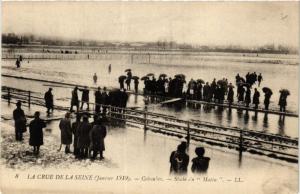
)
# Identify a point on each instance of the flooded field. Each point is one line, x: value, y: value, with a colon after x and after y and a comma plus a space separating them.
x: 276, y: 76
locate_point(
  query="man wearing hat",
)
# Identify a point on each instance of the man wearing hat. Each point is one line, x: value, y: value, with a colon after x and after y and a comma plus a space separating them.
x: 49, y: 101
x: 98, y: 100
x: 20, y: 122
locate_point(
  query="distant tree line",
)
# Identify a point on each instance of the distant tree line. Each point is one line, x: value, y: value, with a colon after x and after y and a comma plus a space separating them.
x: 29, y: 39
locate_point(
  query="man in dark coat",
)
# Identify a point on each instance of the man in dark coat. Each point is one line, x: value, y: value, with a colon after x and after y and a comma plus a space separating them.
x: 83, y: 142
x: 282, y: 102
x: 98, y: 100
x: 36, y: 132
x: 213, y: 88
x: 85, y: 97
x: 267, y: 99
x: 256, y: 98
x: 75, y: 127
x: 97, y: 135
x: 200, y: 163
x: 128, y: 81
x: 179, y: 160
x: 248, y: 96
x: 259, y: 79
x: 18, y: 63
x: 66, y: 132
x: 105, y: 100
x: 49, y: 101
x: 206, y: 91
x: 240, y: 92
x: 74, y: 100
x: 230, y: 94
x: 20, y: 121
x: 136, y: 85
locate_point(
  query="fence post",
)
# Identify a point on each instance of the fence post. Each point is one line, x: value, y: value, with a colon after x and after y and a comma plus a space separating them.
x: 29, y: 98
x: 8, y: 95
x: 145, y: 117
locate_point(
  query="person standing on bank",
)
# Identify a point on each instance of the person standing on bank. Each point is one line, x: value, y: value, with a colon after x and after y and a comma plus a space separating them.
x: 230, y: 94
x: 18, y: 63
x: 49, y: 101
x: 179, y: 160
x: 75, y: 127
x: 95, y: 78
x: 109, y: 68
x: 85, y: 97
x: 36, y: 133
x: 267, y: 99
x: 20, y: 121
x: 259, y: 79
x: 200, y: 163
x: 248, y: 96
x: 74, y: 100
x: 98, y: 102
x: 136, y: 85
x: 97, y: 135
x: 83, y: 137
x: 282, y: 101
x: 256, y: 98
x: 66, y: 132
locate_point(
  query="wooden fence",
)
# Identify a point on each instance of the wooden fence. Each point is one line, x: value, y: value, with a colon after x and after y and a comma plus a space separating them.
x: 262, y: 143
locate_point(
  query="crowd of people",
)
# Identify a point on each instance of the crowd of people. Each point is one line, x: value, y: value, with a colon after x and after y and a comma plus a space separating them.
x: 103, y: 98
x: 179, y: 160
x: 216, y: 91
x: 87, y: 138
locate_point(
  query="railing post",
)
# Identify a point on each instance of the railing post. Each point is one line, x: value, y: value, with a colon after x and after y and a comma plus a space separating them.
x: 188, y: 137
x: 29, y: 98
x: 145, y: 117
x: 8, y: 95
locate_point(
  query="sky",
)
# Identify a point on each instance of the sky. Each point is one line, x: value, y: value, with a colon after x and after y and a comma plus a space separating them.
x: 204, y: 23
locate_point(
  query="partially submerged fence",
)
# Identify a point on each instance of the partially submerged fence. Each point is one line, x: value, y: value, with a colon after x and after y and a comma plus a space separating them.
x: 262, y: 143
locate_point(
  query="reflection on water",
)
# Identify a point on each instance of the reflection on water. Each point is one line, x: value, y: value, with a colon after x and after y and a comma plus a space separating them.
x: 281, y: 125
x: 265, y: 122
x: 246, y: 117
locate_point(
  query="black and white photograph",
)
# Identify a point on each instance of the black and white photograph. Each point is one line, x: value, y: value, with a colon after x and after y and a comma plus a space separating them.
x: 143, y: 97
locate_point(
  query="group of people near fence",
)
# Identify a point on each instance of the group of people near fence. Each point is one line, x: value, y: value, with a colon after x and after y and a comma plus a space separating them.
x: 216, y: 91
x: 103, y: 99
x: 87, y: 138
x: 179, y: 160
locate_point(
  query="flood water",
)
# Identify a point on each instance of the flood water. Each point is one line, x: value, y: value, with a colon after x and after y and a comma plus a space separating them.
x: 283, y: 73
x: 131, y: 151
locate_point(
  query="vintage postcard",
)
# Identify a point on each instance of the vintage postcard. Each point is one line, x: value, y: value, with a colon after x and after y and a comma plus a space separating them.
x: 147, y: 97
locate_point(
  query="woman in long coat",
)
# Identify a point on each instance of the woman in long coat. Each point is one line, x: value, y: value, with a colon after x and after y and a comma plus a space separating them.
x: 36, y: 132
x: 97, y: 135
x: 66, y: 132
